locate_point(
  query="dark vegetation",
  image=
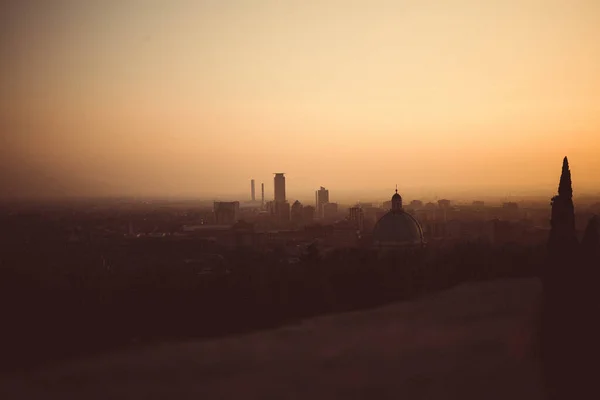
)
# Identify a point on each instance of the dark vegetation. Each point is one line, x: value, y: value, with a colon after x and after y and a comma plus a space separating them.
x: 65, y: 299
x: 570, y: 325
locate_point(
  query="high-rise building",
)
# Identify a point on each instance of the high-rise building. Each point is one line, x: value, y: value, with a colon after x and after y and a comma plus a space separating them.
x: 226, y: 212
x: 322, y: 198
x: 252, y: 192
x: 282, y: 212
x: 262, y: 195
x: 279, y: 184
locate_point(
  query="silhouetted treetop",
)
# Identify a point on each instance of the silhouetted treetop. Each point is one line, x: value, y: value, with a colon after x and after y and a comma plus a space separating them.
x: 565, y: 188
x: 563, y: 235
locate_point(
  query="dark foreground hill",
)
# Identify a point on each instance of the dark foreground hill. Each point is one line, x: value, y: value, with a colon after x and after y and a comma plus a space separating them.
x: 471, y: 342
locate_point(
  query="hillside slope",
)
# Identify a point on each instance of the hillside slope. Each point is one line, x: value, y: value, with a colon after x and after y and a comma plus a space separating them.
x: 473, y: 341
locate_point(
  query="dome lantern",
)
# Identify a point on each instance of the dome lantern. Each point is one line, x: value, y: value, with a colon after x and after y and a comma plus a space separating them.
x: 396, y: 201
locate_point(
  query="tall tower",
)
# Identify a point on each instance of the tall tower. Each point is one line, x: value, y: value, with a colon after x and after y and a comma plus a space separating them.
x: 262, y: 194
x: 252, y: 193
x: 279, y: 181
x: 322, y: 197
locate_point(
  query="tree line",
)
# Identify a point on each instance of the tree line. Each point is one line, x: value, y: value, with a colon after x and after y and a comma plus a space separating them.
x: 77, y: 309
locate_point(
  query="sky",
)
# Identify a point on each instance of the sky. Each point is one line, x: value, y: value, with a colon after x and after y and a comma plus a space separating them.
x: 195, y: 98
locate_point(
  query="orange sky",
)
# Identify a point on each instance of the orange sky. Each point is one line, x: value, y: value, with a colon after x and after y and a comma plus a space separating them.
x: 196, y: 98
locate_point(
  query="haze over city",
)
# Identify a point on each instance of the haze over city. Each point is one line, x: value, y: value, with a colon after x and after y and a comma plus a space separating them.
x: 195, y: 98
x: 308, y: 199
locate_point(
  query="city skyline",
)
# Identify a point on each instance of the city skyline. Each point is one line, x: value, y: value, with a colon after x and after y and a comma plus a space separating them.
x: 183, y: 98
x: 381, y: 195
x: 308, y: 199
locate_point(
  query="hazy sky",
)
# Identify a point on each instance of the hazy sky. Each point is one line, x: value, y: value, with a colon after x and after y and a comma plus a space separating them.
x: 197, y: 97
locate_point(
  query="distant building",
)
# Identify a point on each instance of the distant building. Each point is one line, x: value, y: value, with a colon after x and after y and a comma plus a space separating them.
x: 297, y: 213
x: 270, y: 207
x: 416, y: 204
x: 434, y: 229
x: 308, y: 213
x: 387, y: 205
x: 330, y: 210
x: 370, y: 217
x: 226, y: 212
x: 478, y: 204
x: 252, y: 190
x: 321, y: 198
x: 242, y: 235
x: 262, y: 195
x: 278, y: 212
x: 510, y: 211
x: 344, y: 234
x: 430, y: 206
x: 357, y: 217
x: 279, y: 184
x: 444, y: 204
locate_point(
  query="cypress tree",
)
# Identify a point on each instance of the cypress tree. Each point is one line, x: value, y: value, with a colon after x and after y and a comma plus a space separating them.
x: 560, y: 285
x: 565, y: 188
x: 563, y: 237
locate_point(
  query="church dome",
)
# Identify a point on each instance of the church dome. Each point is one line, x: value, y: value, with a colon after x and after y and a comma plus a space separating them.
x: 397, y: 227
